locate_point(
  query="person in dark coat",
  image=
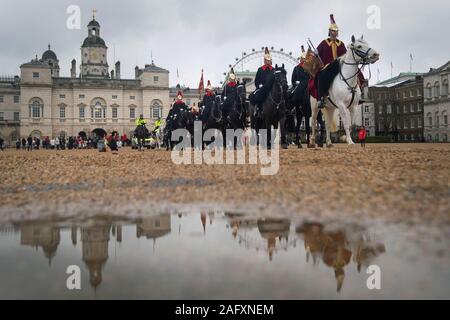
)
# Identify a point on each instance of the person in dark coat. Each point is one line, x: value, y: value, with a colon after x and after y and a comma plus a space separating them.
x: 206, y: 102
x: 263, y: 75
x: 24, y: 143
x: 229, y: 92
x: 29, y: 143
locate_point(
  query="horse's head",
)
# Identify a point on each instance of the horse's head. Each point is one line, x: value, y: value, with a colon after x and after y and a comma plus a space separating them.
x: 281, y: 78
x: 362, y: 52
x: 242, y: 91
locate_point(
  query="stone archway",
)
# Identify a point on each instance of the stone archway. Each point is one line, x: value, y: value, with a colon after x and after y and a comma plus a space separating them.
x: 98, y: 133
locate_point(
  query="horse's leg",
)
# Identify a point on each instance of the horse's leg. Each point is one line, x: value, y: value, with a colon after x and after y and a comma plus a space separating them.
x: 298, y: 116
x: 283, y: 140
x: 346, y: 119
x: 314, y: 113
x: 328, y: 114
x: 307, y: 129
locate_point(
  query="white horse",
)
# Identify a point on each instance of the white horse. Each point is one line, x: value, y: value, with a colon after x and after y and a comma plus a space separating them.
x: 344, y: 93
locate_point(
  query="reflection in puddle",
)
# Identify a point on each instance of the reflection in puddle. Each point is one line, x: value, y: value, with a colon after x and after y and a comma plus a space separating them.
x: 210, y: 255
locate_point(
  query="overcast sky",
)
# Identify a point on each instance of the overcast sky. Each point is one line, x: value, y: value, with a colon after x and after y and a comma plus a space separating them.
x: 196, y: 34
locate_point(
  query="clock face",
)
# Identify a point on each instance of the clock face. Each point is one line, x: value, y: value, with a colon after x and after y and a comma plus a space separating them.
x: 93, y: 56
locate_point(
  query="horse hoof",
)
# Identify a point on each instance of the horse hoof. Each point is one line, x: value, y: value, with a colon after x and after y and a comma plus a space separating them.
x: 300, y: 146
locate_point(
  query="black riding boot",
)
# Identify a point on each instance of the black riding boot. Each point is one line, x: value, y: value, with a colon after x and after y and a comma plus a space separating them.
x: 321, y: 103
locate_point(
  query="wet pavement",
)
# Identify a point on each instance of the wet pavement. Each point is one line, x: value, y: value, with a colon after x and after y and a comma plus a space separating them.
x: 201, y: 254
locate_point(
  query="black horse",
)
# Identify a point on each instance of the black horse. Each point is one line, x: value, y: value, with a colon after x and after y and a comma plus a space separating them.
x: 235, y: 109
x: 141, y: 132
x: 273, y: 108
x: 181, y: 118
x: 300, y: 106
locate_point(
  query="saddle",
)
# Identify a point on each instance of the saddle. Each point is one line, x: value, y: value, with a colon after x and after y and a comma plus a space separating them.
x: 319, y: 86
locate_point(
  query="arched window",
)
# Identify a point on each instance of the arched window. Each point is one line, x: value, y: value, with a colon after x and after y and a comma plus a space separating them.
x: 444, y: 118
x: 36, y: 108
x: 445, y: 88
x: 428, y: 90
x: 156, y: 109
x: 36, y: 134
x: 444, y: 137
x: 98, y: 109
x: 436, y: 117
x: 437, y: 89
x: 430, y: 119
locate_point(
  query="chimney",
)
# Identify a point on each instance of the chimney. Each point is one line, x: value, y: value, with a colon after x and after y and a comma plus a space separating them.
x: 118, y: 70
x: 112, y: 74
x: 73, y: 72
x: 136, y: 72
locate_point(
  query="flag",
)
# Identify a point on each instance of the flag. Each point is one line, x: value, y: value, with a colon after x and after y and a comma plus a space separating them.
x: 201, y: 85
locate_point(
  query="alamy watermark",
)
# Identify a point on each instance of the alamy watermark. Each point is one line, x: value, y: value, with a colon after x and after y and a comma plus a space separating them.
x: 213, y: 153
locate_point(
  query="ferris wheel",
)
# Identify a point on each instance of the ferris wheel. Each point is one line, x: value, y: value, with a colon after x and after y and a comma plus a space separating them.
x: 278, y: 56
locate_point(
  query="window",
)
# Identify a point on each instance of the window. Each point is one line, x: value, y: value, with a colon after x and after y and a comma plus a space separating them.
x: 2, y: 99
x: 62, y: 112
x: 398, y: 95
x: 155, y: 79
x: 81, y: 112
x: 35, y: 74
x: 437, y: 119
x: 430, y: 119
x: 407, y: 108
x: 366, y: 122
x: 81, y: 96
x: 366, y: 109
x: 114, y: 113
x: 406, y: 126
x: 380, y: 109
x: 98, y: 113
x: 16, y: 116
x: 437, y: 89
x: 132, y: 97
x: 62, y: 96
x: 404, y: 94
x: 428, y: 93
x: 419, y: 123
x: 413, y: 108
x: 444, y: 117
x: 16, y: 99
x: 132, y: 113
x: 388, y: 109
x: 399, y: 110
x: 419, y: 93
x: 419, y: 106
x: 1, y: 116
x: 411, y: 93
x: 35, y: 109
x: 444, y: 88
x: 413, y: 123
x: 114, y: 97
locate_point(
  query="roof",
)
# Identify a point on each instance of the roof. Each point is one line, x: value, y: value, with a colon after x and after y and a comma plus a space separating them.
x: 93, y: 41
x: 36, y: 64
x: 49, y: 55
x: 402, y: 77
x: 444, y: 67
x: 93, y: 23
x: 153, y: 68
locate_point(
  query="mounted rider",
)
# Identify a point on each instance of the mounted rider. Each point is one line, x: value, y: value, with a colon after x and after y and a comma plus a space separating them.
x: 177, y: 107
x: 158, y: 123
x: 329, y: 50
x: 263, y: 74
x: 209, y: 97
x: 230, y: 89
x: 300, y: 79
x: 141, y: 121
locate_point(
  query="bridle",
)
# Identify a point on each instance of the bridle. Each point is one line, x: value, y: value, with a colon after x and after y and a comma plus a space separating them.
x: 280, y: 88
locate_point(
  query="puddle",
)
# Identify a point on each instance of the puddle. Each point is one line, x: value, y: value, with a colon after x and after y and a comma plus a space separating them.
x: 221, y: 255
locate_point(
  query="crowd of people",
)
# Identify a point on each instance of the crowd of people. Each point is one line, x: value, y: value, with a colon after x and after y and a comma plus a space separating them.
x: 62, y: 143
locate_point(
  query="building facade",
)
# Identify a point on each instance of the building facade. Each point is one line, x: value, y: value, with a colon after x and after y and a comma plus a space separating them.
x: 41, y: 103
x: 9, y: 108
x: 398, y: 106
x: 437, y: 104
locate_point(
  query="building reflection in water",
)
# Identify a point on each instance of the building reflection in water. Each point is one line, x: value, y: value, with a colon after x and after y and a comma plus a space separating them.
x: 336, y: 248
x: 41, y: 235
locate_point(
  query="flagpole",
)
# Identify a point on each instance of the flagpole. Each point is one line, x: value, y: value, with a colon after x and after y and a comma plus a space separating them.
x: 410, y: 62
x: 392, y: 67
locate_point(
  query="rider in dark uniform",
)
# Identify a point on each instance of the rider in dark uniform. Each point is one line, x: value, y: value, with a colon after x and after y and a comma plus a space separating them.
x: 230, y: 90
x: 262, y: 75
x: 206, y: 103
x: 300, y: 78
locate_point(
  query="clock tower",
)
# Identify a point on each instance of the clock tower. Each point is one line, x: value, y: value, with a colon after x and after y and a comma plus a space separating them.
x: 94, y: 53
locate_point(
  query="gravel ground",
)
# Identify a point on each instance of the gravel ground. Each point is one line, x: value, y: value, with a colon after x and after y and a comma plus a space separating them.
x: 408, y: 183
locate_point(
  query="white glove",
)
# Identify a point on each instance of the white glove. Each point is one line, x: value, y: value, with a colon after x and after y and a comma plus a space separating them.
x: 224, y: 98
x: 260, y: 86
x: 297, y: 82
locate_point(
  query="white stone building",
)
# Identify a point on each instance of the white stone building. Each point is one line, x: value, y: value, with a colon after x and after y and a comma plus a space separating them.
x: 437, y: 104
x: 94, y: 102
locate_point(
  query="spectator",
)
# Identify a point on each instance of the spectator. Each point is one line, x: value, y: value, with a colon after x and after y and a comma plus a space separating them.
x: 57, y: 143
x: 52, y: 143
x: 38, y: 143
x: 18, y: 144
x: 1, y: 144
x: 362, y: 136
x: 30, y: 143
x: 24, y: 143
